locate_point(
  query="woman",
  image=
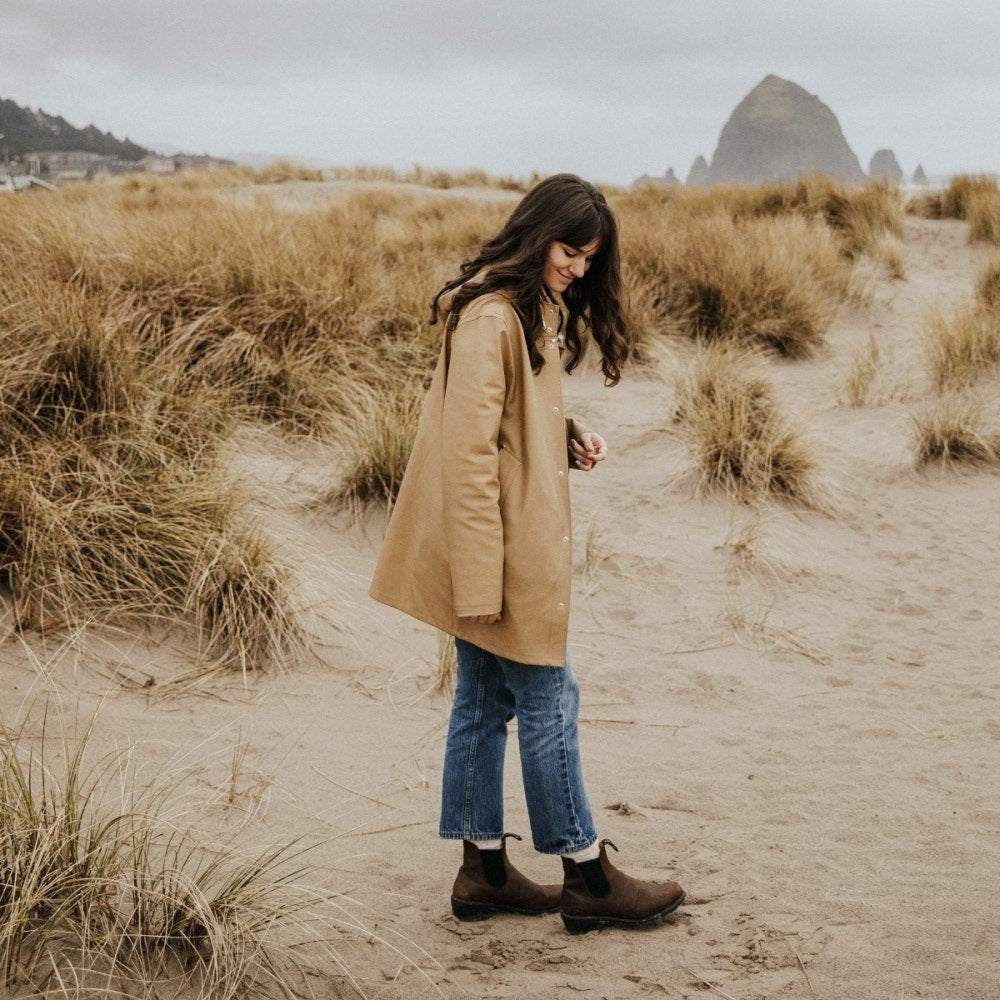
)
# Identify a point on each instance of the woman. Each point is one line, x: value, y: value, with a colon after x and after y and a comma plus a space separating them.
x: 479, y: 545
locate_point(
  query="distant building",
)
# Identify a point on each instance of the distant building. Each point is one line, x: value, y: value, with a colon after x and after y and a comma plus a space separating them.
x: 182, y: 162
x: 154, y: 164
x: 73, y: 165
x: 70, y: 164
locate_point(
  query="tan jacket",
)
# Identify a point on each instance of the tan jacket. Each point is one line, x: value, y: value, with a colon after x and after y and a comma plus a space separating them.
x: 482, y: 521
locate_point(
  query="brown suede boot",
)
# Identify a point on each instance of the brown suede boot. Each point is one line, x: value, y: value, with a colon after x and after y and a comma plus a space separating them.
x: 596, y: 894
x: 488, y: 883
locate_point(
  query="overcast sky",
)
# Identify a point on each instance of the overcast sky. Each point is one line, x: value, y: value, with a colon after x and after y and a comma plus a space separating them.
x: 608, y: 90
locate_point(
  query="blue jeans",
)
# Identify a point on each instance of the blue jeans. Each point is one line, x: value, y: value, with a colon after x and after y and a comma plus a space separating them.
x: 491, y: 691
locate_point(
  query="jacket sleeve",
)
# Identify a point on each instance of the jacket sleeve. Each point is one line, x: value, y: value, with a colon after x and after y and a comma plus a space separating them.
x: 479, y: 367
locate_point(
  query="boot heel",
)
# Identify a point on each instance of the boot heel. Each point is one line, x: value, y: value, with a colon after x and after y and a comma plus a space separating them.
x: 465, y: 910
x: 580, y: 925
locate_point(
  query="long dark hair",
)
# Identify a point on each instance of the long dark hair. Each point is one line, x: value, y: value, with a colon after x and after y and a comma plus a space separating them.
x: 562, y: 208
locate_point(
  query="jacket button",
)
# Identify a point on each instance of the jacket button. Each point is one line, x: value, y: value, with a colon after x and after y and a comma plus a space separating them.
x: 561, y: 473
x: 565, y: 538
x: 555, y: 409
x: 562, y: 604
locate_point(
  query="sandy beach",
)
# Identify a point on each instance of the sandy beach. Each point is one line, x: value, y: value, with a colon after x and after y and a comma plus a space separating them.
x: 792, y: 712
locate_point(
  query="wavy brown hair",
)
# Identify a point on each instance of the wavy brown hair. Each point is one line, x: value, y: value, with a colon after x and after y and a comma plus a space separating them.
x: 565, y: 209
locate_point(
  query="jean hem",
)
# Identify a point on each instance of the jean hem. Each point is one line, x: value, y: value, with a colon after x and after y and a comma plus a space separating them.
x: 571, y: 849
x: 449, y: 835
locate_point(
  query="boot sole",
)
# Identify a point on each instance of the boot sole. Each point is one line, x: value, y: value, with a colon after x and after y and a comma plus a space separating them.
x: 580, y: 925
x: 464, y: 910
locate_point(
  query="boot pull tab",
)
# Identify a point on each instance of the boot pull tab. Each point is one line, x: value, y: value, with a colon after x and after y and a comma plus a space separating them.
x: 516, y: 837
x: 610, y: 843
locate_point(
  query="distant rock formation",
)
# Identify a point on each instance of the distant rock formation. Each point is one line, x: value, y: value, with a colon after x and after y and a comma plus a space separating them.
x: 919, y: 177
x: 698, y: 175
x: 884, y: 167
x: 667, y: 180
x: 779, y: 132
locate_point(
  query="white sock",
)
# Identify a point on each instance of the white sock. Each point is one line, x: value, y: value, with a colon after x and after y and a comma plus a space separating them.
x: 488, y: 845
x: 587, y: 854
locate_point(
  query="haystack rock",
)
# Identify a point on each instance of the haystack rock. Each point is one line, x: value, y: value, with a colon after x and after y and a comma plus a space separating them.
x: 919, y: 177
x: 667, y: 180
x: 779, y: 132
x: 884, y: 167
x: 698, y: 175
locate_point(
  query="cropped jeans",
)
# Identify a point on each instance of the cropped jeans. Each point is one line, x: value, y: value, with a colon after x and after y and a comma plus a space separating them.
x: 490, y: 691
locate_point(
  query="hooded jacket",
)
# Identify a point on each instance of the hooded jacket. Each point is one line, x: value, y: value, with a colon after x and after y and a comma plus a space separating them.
x: 482, y: 521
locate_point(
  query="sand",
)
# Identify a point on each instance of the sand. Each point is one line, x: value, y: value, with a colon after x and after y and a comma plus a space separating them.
x: 794, y: 713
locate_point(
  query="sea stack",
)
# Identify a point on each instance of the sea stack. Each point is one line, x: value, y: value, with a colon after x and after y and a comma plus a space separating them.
x: 698, y: 175
x: 779, y: 132
x: 884, y: 167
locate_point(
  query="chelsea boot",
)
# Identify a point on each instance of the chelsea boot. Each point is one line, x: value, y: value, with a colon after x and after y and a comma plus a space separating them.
x: 488, y: 883
x: 596, y: 894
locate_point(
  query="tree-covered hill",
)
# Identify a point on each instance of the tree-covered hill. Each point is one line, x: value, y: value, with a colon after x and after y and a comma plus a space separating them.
x: 27, y: 131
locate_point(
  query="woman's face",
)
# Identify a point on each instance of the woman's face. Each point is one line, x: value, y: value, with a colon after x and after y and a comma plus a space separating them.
x: 565, y: 263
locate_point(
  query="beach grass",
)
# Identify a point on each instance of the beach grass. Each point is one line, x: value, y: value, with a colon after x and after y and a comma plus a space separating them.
x: 741, y: 443
x: 961, y: 191
x: 952, y: 430
x: 983, y: 214
x: 109, y: 892
x: 961, y: 345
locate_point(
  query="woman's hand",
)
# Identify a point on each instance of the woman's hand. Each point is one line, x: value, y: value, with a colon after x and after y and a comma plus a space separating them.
x: 587, y: 450
x: 483, y: 619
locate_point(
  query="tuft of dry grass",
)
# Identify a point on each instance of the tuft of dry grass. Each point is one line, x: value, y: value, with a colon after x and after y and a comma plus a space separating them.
x: 887, y: 251
x: 958, y: 347
x: 741, y: 444
x: 983, y: 214
x: 862, y: 218
x: 860, y: 385
x: 379, y: 428
x: 926, y: 205
x: 962, y: 189
x: 103, y: 894
x: 988, y: 288
x: 952, y: 430
x: 771, y: 283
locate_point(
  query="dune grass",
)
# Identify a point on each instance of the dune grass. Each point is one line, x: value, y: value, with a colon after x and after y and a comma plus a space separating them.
x: 770, y: 283
x: 925, y: 205
x: 961, y: 345
x: 962, y: 189
x: 106, y: 892
x: 862, y: 380
x: 988, y: 288
x: 111, y: 510
x: 983, y: 214
x: 952, y: 430
x: 970, y: 198
x: 379, y: 427
x: 740, y: 442
x: 759, y: 266
x: 435, y: 178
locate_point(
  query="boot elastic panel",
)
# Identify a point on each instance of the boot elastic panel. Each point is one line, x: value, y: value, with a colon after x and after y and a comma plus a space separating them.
x: 594, y: 878
x: 494, y: 868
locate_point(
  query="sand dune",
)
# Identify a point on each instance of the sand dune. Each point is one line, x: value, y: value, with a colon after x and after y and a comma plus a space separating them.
x: 792, y: 712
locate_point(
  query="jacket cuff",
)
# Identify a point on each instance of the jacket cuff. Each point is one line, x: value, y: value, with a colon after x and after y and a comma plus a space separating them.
x: 474, y: 610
